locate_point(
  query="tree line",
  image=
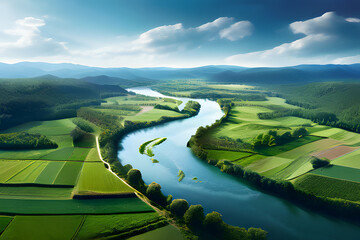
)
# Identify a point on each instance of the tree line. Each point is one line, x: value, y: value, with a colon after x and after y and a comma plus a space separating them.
x: 24, y: 141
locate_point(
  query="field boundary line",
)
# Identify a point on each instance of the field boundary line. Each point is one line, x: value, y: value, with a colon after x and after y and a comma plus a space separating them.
x: 19, y: 171
x: 79, y: 227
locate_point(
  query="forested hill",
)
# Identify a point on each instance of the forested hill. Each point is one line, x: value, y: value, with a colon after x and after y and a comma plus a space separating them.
x: 286, y: 75
x: 125, y: 83
x: 48, y: 97
x: 340, y: 98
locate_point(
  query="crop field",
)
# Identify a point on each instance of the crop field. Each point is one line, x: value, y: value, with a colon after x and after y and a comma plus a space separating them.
x: 73, y: 206
x: 48, y: 175
x: 310, y: 148
x: 4, y: 222
x: 349, y: 160
x: 93, y: 156
x: 29, y: 174
x: 249, y: 160
x: 348, y: 138
x: 226, y: 155
x: 276, y: 150
x: 31, y: 192
x: 335, y: 152
x: 269, y: 163
x: 9, y: 169
x: 328, y: 187
x: 95, y: 178
x: 97, y: 226
x: 50, y: 227
x: 340, y: 172
x: 162, y: 233
x: 69, y: 173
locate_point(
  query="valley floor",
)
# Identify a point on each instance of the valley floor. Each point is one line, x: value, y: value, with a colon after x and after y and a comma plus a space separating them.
x: 68, y: 192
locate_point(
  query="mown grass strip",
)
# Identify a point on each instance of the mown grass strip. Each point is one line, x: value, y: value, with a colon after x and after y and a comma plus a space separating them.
x: 42, y: 227
x: 48, y: 175
x: 73, y: 206
x: 69, y: 173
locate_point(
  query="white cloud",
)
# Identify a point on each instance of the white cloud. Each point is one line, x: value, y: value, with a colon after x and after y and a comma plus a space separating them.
x: 355, y: 20
x: 178, y: 38
x: 237, y: 31
x: 327, y: 38
x: 28, y: 41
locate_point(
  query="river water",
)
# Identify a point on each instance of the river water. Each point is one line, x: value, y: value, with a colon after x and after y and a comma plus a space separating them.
x: 239, y: 204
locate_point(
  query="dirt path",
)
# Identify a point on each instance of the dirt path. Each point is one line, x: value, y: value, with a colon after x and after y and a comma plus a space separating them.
x: 145, y: 109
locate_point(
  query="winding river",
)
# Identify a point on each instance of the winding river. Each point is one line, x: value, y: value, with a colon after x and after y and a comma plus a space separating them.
x: 239, y: 204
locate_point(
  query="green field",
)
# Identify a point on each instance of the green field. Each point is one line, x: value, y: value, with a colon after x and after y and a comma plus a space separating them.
x: 52, y: 227
x: 328, y: 187
x: 244, y: 123
x: 269, y: 163
x: 95, y: 178
x: 73, y: 206
x: 226, y: 155
x: 29, y: 174
x: 98, y: 226
x: 49, y: 174
x: 348, y: 138
x: 163, y: 233
x: 339, y: 172
x: 153, y: 115
x: 47, y: 128
x: 348, y: 160
x: 93, y: 156
x: 69, y: 173
x: 9, y: 169
x: 31, y: 192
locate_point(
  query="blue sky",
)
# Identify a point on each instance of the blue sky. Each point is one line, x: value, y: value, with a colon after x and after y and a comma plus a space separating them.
x: 180, y: 33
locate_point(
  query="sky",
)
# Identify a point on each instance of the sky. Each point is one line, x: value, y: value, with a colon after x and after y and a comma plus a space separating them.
x: 180, y: 33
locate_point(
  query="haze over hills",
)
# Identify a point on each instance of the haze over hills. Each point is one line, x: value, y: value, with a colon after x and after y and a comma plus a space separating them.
x: 131, y: 77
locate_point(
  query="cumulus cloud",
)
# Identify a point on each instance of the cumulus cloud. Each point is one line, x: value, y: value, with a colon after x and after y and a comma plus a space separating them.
x: 176, y: 37
x: 237, y: 31
x: 28, y: 40
x: 324, y: 37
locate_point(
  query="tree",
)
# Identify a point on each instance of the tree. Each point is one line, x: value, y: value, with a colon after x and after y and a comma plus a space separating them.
x: 134, y: 176
x: 154, y: 193
x: 257, y: 234
x: 179, y: 207
x: 318, y: 163
x: 214, y: 223
x: 194, y: 216
x: 300, y: 132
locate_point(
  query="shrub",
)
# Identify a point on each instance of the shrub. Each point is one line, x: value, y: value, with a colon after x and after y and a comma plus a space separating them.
x: 77, y: 134
x: 318, y: 163
x: 179, y: 207
x: 134, y: 176
x: 214, y: 223
x: 194, y: 216
x: 154, y: 193
x: 83, y: 125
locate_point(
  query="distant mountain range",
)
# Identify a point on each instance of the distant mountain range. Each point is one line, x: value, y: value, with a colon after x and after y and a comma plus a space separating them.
x: 129, y: 77
x: 295, y: 74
